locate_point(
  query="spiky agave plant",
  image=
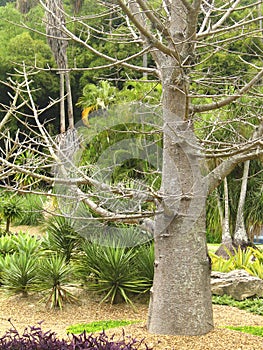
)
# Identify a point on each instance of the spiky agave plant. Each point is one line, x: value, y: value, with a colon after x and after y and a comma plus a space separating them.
x: 54, y: 275
x: 61, y: 237
x: 19, y: 273
x: 114, y: 272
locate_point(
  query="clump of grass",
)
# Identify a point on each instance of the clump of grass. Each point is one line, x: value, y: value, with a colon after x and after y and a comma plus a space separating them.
x: 98, y: 326
x: 255, y: 330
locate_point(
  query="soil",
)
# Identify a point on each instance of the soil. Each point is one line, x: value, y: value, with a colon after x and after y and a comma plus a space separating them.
x: 29, y: 311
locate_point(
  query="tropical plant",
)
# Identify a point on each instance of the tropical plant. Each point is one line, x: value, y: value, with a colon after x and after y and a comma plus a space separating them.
x: 242, y: 258
x: 97, y: 96
x: 61, y: 237
x: 11, y: 209
x: 27, y: 244
x: 19, y: 273
x: 250, y: 260
x: 34, y: 338
x: 32, y: 210
x: 54, y: 276
x: 221, y: 264
x: 7, y: 245
x: 253, y: 305
x: 28, y: 159
x: 112, y: 271
x: 145, y: 262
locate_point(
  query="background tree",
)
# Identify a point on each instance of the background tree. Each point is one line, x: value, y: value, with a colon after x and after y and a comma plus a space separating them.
x: 24, y: 6
x: 58, y: 44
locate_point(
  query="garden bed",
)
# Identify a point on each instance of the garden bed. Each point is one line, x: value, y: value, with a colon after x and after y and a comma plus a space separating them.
x: 28, y: 311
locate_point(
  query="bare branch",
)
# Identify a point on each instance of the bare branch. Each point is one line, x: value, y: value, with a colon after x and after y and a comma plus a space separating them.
x: 230, y: 99
x: 150, y: 37
x: 215, y: 177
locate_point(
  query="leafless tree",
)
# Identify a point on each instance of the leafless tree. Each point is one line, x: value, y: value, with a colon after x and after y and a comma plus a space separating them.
x: 181, y: 36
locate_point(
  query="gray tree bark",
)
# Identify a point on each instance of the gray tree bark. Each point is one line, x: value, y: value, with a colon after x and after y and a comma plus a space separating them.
x: 181, y: 286
x: 226, y: 237
x: 58, y: 44
x: 240, y: 235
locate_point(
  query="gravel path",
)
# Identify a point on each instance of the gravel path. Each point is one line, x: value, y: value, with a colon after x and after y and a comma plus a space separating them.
x: 29, y: 311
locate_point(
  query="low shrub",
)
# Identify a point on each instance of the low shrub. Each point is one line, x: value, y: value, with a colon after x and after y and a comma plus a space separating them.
x: 18, y: 273
x: 113, y: 272
x: 54, y: 276
x: 34, y: 338
x: 11, y: 209
x: 250, y: 260
x: 7, y: 245
x: 254, y: 305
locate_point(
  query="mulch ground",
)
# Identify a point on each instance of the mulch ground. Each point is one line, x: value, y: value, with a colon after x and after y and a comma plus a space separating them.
x: 29, y: 311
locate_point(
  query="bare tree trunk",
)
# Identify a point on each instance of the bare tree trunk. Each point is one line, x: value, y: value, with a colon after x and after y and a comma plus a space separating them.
x: 227, y: 244
x: 240, y: 235
x: 69, y: 102
x: 182, y: 290
x: 226, y: 237
x: 58, y: 44
x: 62, y: 104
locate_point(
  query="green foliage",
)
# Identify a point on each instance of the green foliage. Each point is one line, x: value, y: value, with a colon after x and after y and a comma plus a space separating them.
x: 26, y: 244
x: 32, y: 213
x: 221, y: 264
x: 113, y: 272
x: 213, y: 223
x: 54, y: 275
x: 254, y: 197
x: 100, y: 96
x: 255, y: 268
x: 97, y: 326
x: 7, y: 244
x: 255, y: 330
x: 254, y: 305
x: 11, y: 209
x: 19, y: 273
x: 27, y: 159
x: 145, y: 262
x: 250, y: 260
x: 146, y: 92
x: 61, y: 237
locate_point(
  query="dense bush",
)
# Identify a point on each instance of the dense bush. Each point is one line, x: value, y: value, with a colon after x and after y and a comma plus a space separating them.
x: 34, y: 338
